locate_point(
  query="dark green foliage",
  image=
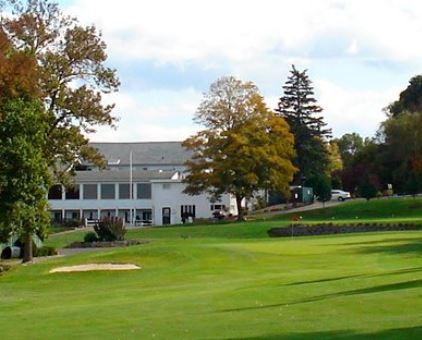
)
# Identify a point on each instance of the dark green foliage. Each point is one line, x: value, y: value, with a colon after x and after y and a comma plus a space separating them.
x: 322, y: 187
x: 90, y: 237
x: 298, y: 107
x: 410, y: 100
x: 74, y: 223
x: 46, y: 251
x: 367, y: 187
x: 110, y: 229
x: 413, y: 184
x: 349, y: 145
x: 336, y: 182
x: 24, y: 173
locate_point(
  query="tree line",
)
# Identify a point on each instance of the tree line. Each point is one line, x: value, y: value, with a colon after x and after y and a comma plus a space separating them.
x: 235, y: 153
x: 391, y: 161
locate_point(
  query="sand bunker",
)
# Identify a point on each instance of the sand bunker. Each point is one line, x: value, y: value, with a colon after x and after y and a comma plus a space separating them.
x: 94, y: 267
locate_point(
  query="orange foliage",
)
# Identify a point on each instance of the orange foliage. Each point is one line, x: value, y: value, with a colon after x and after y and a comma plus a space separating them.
x: 18, y: 72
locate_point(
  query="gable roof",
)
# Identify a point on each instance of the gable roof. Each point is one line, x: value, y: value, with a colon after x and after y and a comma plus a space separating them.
x: 121, y: 176
x: 144, y: 153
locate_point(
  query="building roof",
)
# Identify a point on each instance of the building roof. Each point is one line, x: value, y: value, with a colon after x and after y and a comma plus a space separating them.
x: 144, y: 153
x: 122, y: 176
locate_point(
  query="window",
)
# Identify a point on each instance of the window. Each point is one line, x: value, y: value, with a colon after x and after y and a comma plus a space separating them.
x: 124, y: 191
x: 72, y: 193
x: 55, y: 192
x: 187, y: 211
x: 144, y: 191
x: 217, y: 207
x: 108, y: 191
x: 166, y: 186
x: 144, y: 215
x: 90, y: 192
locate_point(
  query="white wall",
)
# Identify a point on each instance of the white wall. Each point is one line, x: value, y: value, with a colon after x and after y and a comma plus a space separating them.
x: 163, y: 194
x: 166, y: 194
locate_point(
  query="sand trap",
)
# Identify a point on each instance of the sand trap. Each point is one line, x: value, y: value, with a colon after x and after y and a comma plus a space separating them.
x: 94, y: 267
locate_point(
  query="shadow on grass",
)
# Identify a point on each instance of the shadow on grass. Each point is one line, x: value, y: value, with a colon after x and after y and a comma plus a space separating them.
x: 339, y: 278
x: 386, y: 240
x: 376, y: 289
x: 398, y: 333
x: 410, y: 247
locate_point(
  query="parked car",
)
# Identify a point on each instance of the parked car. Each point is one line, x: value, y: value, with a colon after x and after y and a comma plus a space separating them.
x: 340, y: 195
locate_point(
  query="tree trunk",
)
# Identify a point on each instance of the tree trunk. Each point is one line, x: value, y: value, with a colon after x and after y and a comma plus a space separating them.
x: 240, y: 212
x: 27, y: 249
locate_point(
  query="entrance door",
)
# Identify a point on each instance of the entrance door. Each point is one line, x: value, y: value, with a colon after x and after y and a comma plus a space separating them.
x: 166, y: 215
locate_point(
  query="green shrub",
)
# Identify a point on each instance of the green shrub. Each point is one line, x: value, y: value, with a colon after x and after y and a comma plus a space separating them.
x: 75, y: 223
x: 110, y: 229
x: 90, y: 237
x: 46, y: 251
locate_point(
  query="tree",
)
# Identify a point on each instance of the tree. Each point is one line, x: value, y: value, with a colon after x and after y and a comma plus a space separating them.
x: 322, y: 187
x: 402, y: 146
x: 410, y: 100
x: 335, y: 162
x: 413, y: 184
x: 368, y: 187
x: 299, y: 108
x: 47, y: 59
x: 24, y: 175
x: 349, y: 145
x: 243, y: 148
x: 71, y: 77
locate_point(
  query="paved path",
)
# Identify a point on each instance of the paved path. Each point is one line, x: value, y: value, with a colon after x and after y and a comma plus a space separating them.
x: 281, y: 209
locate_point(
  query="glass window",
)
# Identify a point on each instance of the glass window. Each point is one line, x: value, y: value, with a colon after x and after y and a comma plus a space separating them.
x: 72, y: 193
x: 124, y: 190
x: 90, y: 192
x: 108, y: 191
x: 55, y: 192
x: 144, y: 191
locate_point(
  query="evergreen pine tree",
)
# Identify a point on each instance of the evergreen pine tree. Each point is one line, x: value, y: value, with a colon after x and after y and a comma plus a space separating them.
x: 299, y: 108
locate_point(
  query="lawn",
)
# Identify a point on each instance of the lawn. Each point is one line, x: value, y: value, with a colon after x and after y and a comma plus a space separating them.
x: 224, y: 282
x: 394, y: 208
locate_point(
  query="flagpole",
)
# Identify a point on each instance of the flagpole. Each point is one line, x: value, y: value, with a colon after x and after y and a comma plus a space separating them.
x: 131, y: 188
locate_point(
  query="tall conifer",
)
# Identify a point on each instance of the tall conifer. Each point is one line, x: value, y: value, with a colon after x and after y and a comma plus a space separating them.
x: 301, y: 111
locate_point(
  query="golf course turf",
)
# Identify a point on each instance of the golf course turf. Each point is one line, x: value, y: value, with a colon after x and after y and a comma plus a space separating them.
x: 223, y: 282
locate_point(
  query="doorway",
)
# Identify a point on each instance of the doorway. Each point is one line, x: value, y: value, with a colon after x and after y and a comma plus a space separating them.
x: 166, y: 215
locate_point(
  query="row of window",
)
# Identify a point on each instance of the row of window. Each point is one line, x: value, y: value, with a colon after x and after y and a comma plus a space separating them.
x: 107, y: 191
x: 217, y: 207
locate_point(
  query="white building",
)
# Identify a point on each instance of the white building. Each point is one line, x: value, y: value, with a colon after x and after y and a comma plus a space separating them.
x: 142, y: 185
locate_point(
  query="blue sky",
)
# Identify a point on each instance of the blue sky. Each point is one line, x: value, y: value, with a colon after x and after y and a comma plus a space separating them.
x: 360, y: 55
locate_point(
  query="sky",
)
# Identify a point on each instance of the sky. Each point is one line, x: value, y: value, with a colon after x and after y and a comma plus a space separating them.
x: 359, y: 54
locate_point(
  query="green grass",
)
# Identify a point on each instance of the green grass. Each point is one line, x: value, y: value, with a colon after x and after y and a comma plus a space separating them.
x: 224, y: 282
x: 405, y: 208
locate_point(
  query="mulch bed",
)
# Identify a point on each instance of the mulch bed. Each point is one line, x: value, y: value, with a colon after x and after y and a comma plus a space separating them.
x: 330, y: 228
x: 103, y: 244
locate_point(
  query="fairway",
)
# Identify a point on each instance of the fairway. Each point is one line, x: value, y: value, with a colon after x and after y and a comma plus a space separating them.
x: 194, y: 284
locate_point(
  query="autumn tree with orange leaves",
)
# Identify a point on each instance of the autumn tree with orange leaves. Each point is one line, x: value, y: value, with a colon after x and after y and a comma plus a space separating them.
x: 244, y: 147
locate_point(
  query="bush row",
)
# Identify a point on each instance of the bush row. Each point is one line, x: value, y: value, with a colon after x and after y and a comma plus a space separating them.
x: 330, y: 228
x: 105, y: 244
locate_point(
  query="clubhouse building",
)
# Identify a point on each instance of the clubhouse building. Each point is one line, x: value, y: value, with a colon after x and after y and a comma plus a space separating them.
x: 142, y: 185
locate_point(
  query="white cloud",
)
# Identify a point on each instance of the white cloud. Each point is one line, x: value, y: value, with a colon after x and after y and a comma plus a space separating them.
x: 185, y: 30
x: 349, y: 110
x: 258, y: 40
x: 353, y: 47
x: 151, y: 115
